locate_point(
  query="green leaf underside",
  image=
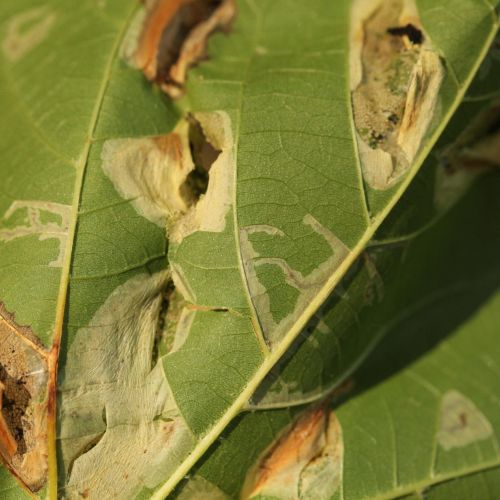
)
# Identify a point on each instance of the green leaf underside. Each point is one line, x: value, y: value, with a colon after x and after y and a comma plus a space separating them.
x: 278, y: 151
x: 405, y: 221
x: 284, y: 95
x: 474, y: 486
x: 349, y: 320
x: 9, y: 488
x: 63, y: 94
x: 440, y: 346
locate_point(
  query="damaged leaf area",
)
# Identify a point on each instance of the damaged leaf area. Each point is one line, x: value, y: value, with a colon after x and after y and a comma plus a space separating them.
x: 97, y: 384
x: 317, y: 364
x: 163, y: 176
x: 173, y: 38
x: 305, y: 462
x: 168, y: 254
x: 23, y: 404
x: 27, y: 30
x: 150, y: 171
x: 460, y: 422
x: 398, y: 394
x: 396, y: 75
x: 263, y: 216
x: 475, y: 151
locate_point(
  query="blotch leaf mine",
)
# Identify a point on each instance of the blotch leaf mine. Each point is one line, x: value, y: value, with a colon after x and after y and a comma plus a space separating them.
x: 185, y: 187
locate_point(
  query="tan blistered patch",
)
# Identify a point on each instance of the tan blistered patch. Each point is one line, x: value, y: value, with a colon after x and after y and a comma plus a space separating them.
x: 170, y: 36
x: 395, y: 79
x: 8, y: 444
x: 209, y: 213
x: 152, y: 173
x: 305, y: 462
x: 460, y: 422
x: 198, y: 488
x: 23, y: 406
x: 476, y: 150
x: 115, y: 403
x: 149, y: 172
x: 34, y: 225
x: 27, y: 30
x: 307, y: 285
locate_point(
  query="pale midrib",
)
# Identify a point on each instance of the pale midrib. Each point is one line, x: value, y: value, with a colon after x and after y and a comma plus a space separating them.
x: 81, y: 165
x: 301, y: 322
x: 420, y: 486
x: 403, y: 316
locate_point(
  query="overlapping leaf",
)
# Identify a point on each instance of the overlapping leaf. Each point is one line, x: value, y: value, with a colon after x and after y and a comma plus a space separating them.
x: 422, y: 410
x: 350, y: 319
x: 82, y: 242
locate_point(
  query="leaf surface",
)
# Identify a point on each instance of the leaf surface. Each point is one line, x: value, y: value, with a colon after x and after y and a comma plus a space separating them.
x: 433, y: 376
x: 82, y: 236
x: 350, y: 319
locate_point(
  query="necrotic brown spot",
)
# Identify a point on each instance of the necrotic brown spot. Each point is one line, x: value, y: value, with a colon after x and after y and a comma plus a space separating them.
x: 174, y: 38
x: 23, y: 392
x: 177, y: 30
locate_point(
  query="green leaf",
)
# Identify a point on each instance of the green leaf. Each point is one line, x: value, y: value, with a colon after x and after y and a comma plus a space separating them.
x: 91, y: 180
x: 9, y: 488
x: 480, y: 485
x: 64, y: 91
x: 349, y: 320
x: 291, y: 243
x: 422, y: 411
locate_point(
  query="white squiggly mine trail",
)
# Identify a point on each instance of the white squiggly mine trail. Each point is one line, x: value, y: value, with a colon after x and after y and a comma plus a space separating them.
x: 308, y: 285
x: 27, y: 30
x: 35, y: 226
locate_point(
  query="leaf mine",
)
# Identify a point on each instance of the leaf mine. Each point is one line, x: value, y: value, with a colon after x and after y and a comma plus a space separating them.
x: 461, y: 423
x: 199, y: 488
x: 475, y: 151
x: 27, y: 30
x: 35, y: 211
x: 308, y: 285
x: 395, y: 80
x: 166, y: 177
x: 211, y: 145
x: 114, y: 403
x: 173, y: 37
x: 150, y: 171
x: 305, y: 462
x: 23, y: 405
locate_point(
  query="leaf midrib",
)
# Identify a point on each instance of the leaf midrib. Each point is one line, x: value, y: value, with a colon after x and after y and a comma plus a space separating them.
x: 336, y: 276
x: 80, y: 166
x: 419, y: 486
